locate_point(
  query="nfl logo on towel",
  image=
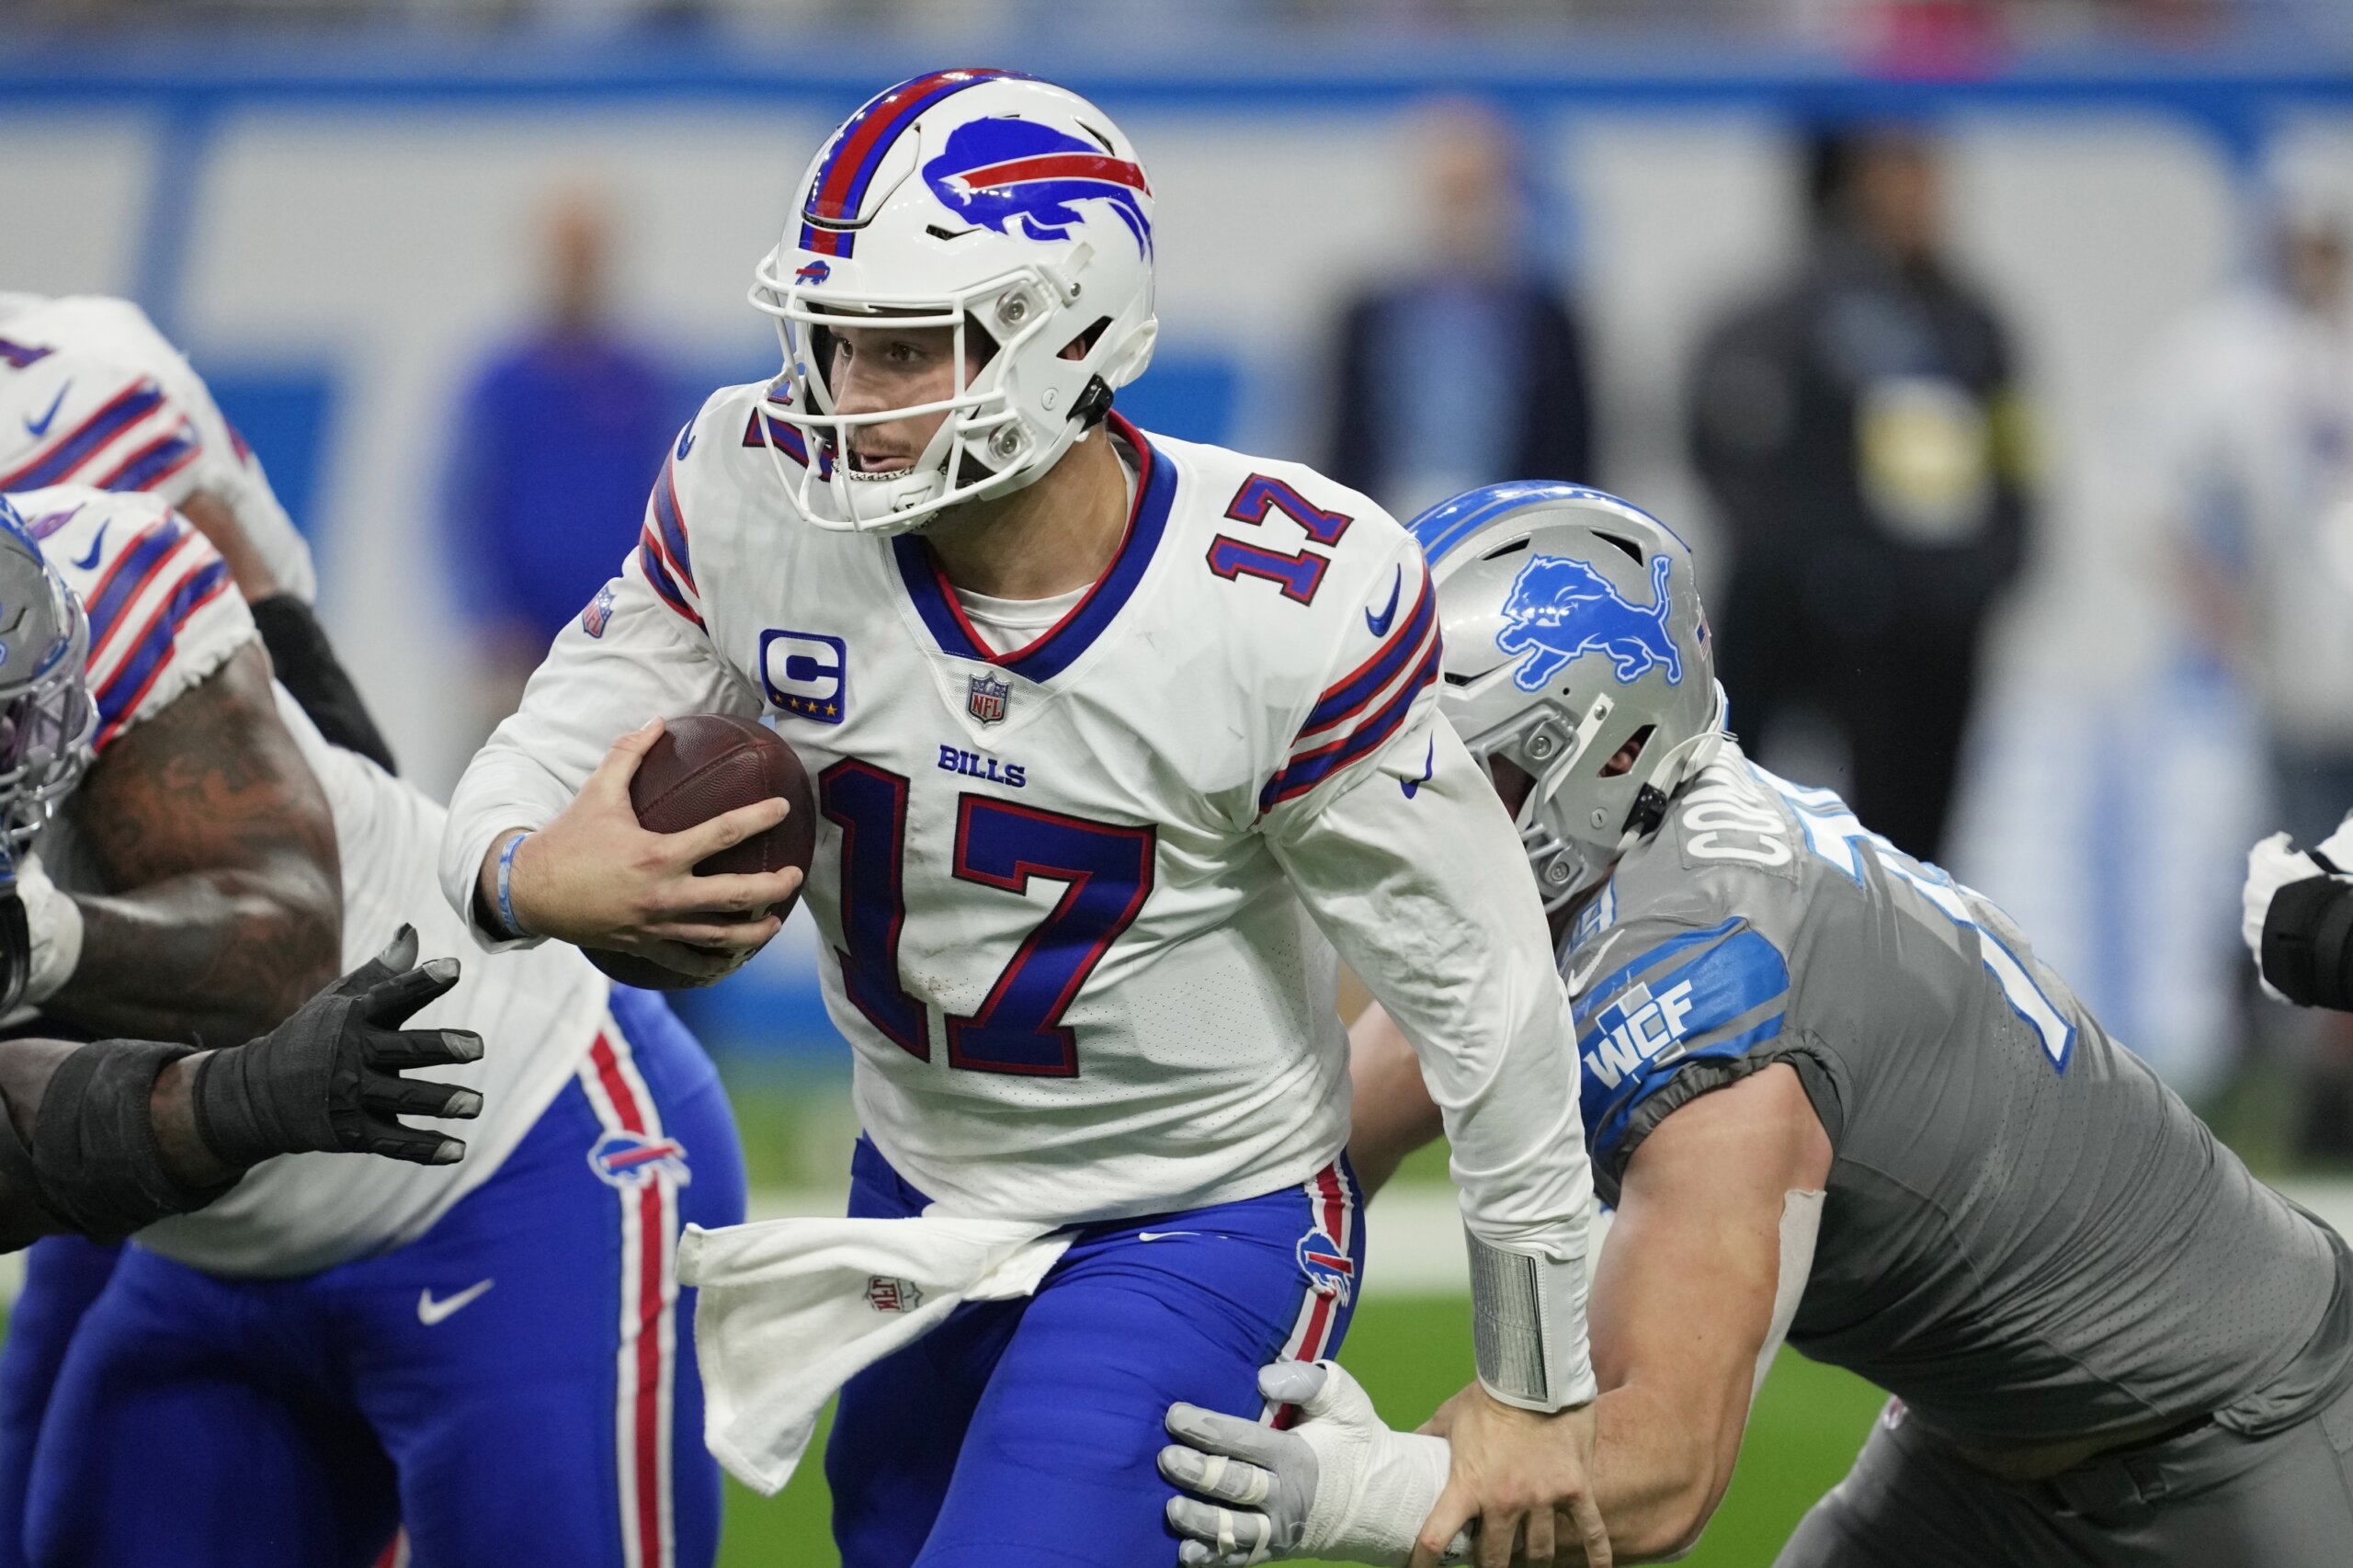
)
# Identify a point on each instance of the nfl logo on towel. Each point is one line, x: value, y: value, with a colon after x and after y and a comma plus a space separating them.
x: 987, y: 701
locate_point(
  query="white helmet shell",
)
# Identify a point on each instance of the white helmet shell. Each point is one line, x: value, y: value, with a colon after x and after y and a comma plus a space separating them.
x: 988, y: 202
x: 1573, y: 627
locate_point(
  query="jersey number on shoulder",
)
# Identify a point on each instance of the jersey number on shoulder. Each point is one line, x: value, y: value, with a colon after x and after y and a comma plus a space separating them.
x: 1832, y: 833
x: 1300, y: 573
x: 1107, y: 873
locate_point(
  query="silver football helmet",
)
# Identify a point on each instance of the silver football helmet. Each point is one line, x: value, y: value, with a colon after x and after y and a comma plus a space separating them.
x: 46, y: 716
x: 1573, y: 628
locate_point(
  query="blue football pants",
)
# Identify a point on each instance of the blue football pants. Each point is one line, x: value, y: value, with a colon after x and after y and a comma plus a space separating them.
x: 1025, y: 1432
x: 516, y: 1387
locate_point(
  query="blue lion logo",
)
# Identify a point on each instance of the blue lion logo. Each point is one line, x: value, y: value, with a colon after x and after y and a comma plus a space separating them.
x: 1560, y: 607
x: 995, y: 171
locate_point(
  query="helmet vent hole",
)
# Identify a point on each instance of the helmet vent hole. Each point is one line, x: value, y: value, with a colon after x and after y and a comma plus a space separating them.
x: 1634, y: 552
x: 1100, y: 140
x: 1629, y: 754
x: 1513, y: 548
x: 937, y: 233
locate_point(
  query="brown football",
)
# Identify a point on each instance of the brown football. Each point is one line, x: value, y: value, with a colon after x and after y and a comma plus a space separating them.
x: 705, y: 764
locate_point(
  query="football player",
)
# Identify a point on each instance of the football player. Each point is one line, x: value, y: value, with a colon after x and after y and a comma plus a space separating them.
x: 1833, y: 1095
x: 484, y: 1351
x: 1115, y: 739
x: 92, y: 393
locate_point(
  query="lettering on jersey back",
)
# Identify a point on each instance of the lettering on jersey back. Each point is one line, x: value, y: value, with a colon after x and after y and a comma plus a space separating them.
x: 805, y: 673
x: 1833, y: 834
x: 1729, y: 817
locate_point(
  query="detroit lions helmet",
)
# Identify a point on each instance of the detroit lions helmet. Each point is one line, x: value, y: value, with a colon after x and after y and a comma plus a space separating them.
x: 46, y: 715
x: 1573, y: 627
x: 1005, y: 208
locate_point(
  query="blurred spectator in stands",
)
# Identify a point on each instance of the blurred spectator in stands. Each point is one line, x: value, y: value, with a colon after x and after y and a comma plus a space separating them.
x: 2242, y: 456
x: 1471, y: 369
x: 2246, y: 444
x: 1857, y: 430
x: 562, y: 434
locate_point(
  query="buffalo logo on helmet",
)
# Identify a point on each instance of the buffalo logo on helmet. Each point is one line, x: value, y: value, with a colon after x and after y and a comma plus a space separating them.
x: 1330, y: 1270
x: 1562, y: 609
x: 995, y: 171
x: 813, y: 272
x: 630, y: 1159
x: 987, y: 700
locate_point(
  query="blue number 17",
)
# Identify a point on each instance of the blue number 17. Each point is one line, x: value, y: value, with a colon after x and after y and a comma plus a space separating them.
x: 1107, y: 872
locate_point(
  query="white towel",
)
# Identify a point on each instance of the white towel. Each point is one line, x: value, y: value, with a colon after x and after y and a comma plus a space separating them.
x: 792, y: 1309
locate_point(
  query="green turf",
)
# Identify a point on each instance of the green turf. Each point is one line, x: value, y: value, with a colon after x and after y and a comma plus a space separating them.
x: 1411, y: 1355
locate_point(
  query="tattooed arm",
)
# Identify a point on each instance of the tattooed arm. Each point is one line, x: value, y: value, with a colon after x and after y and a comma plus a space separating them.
x: 224, y: 908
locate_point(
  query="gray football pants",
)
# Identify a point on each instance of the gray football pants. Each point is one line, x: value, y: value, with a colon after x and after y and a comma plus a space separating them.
x: 2209, y: 1499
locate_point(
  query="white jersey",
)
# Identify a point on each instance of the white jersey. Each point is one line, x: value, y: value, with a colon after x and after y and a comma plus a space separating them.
x: 91, y: 393
x: 163, y: 616
x: 1073, y: 889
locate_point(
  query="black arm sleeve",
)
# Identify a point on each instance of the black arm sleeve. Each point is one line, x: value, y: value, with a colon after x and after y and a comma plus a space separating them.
x: 307, y: 668
x: 2308, y: 942
x: 93, y: 1167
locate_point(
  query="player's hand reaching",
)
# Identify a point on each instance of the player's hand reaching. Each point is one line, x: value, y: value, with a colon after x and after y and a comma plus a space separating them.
x: 594, y: 878
x: 1338, y: 1484
x: 329, y: 1079
x: 1512, y: 1469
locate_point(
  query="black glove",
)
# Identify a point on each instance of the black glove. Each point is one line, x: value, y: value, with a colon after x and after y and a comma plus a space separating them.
x: 328, y: 1078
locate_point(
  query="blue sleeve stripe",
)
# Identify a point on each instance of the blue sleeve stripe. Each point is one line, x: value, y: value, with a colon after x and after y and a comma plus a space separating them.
x: 649, y: 559
x: 1306, y: 772
x: 674, y: 526
x: 131, y: 572
x: 59, y: 462
x: 1608, y: 986
x: 154, y: 462
x: 1348, y: 695
x: 1613, y: 1123
x: 118, y: 697
x: 1634, y: 1042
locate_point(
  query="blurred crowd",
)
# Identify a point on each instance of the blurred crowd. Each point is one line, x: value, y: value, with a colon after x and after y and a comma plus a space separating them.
x: 1904, y: 26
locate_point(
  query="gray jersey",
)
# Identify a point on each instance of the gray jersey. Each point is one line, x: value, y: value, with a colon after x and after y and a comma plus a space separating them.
x: 2026, y: 1236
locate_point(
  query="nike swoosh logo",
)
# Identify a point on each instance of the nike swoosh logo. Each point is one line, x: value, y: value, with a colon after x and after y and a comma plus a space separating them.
x: 38, y: 430
x: 1163, y: 1235
x: 88, y: 560
x: 1577, y: 978
x: 1379, y: 624
x: 430, y: 1311
x: 1413, y: 787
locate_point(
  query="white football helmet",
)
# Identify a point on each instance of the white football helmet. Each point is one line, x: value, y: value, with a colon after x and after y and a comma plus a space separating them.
x: 1573, y: 626
x: 986, y: 201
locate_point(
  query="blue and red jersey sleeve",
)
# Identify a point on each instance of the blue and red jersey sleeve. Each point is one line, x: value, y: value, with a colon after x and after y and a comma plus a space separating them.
x: 163, y: 609
x: 1381, y: 685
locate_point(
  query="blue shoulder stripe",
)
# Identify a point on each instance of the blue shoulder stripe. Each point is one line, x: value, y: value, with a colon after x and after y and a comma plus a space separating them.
x: 1635, y: 1034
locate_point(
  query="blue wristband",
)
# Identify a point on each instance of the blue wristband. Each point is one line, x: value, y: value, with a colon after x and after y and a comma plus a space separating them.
x: 511, y: 928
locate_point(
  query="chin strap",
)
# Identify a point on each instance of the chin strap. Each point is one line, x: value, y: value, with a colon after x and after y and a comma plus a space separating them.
x: 1091, y: 406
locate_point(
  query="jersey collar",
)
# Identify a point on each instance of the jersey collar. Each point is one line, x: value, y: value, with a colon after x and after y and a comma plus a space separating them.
x: 1054, y: 650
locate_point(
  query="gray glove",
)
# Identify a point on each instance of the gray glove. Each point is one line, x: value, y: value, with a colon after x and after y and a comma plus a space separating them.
x: 328, y: 1079
x: 1340, y: 1485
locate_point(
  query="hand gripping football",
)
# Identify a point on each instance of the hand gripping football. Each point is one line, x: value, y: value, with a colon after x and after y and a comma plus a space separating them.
x: 705, y: 764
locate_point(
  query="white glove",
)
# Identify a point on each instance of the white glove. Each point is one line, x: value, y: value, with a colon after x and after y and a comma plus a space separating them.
x: 1340, y: 1485
x: 54, y: 922
x: 2272, y: 864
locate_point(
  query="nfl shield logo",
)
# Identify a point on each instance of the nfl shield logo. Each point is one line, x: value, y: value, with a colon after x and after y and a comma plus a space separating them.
x: 987, y: 701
